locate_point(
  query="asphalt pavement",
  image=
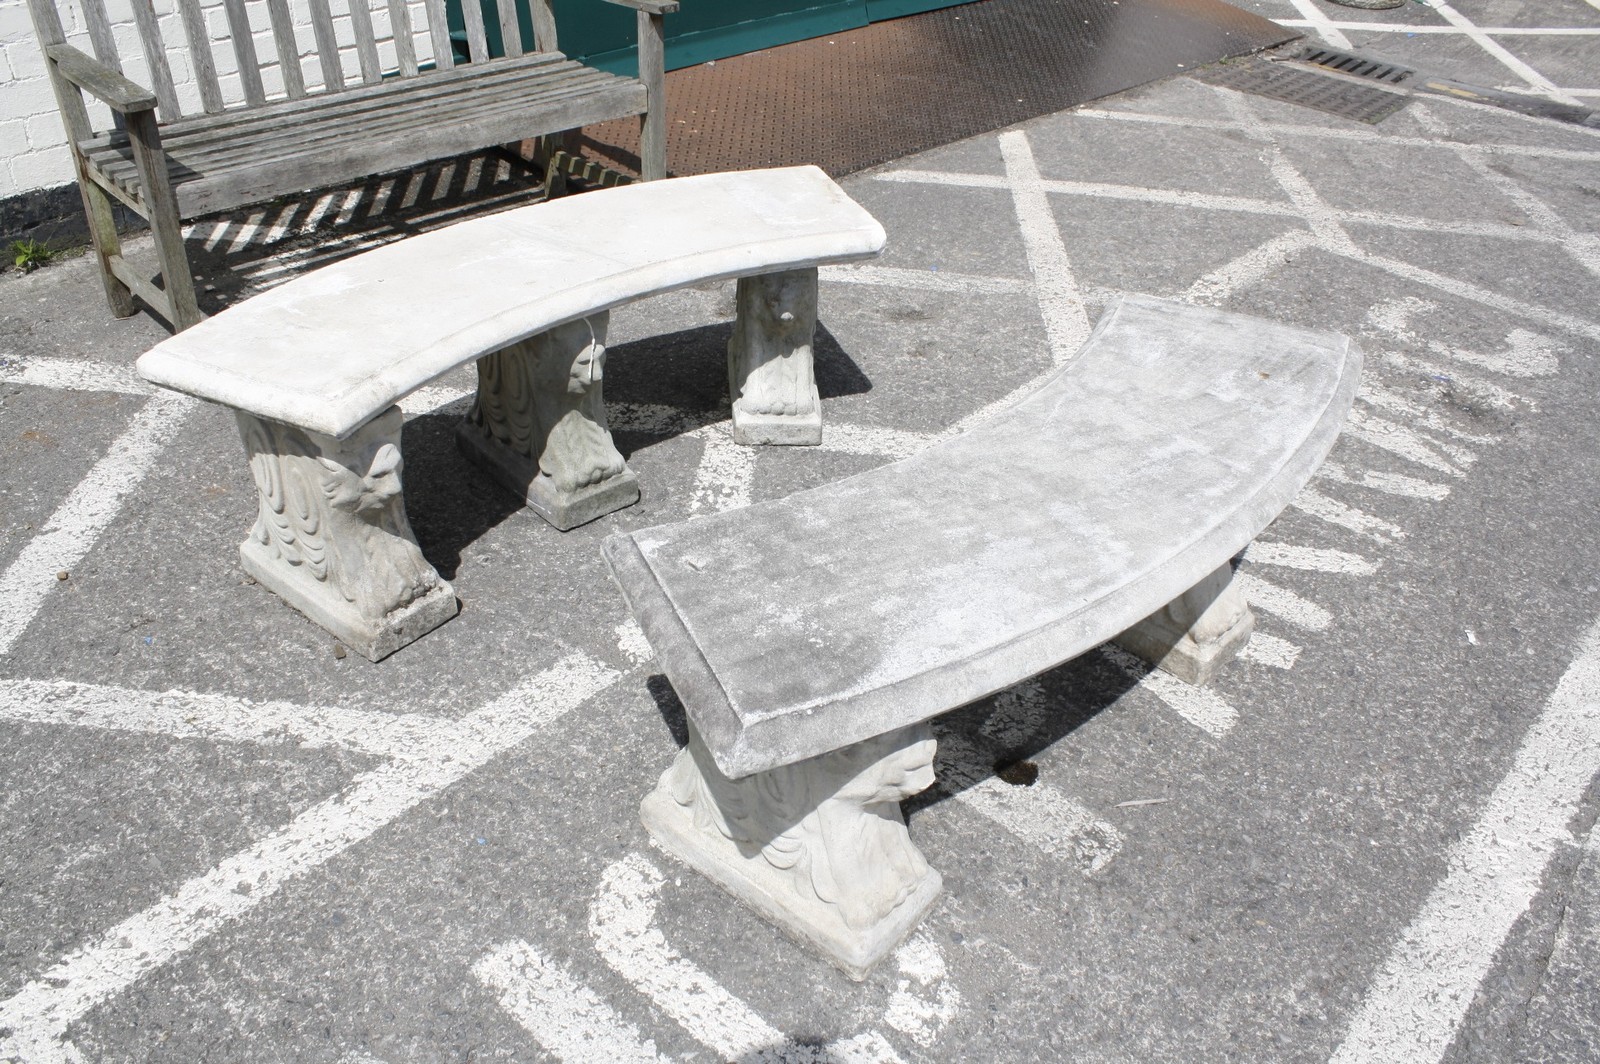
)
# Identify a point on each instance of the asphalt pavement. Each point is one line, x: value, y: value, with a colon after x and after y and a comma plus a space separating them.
x: 1371, y: 839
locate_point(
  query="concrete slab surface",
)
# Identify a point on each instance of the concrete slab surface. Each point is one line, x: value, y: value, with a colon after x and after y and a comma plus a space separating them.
x: 1371, y: 839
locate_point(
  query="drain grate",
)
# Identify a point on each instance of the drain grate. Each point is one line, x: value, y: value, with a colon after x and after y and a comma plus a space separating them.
x: 1307, y: 86
x: 1358, y: 66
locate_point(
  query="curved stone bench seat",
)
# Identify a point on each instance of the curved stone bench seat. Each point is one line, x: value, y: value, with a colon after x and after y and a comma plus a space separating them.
x: 811, y: 638
x: 314, y: 368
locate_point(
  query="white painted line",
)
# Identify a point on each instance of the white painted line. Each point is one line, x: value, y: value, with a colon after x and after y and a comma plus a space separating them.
x: 1311, y: 559
x: 725, y: 475
x: 1525, y: 354
x: 1314, y: 503
x: 74, y: 375
x: 88, y: 511
x: 1379, y: 395
x: 1255, y: 265
x: 566, y: 1017
x: 194, y: 715
x: 1066, y: 325
x: 622, y: 921
x: 1269, y: 650
x: 923, y: 1004
x: 41, y: 1011
x: 1280, y: 602
x: 433, y: 399
x: 1400, y: 441
x: 632, y: 642
x: 1315, y: 19
x: 1039, y: 814
x: 1418, y: 1000
x: 1200, y: 706
x: 1414, y: 28
x: 1466, y: 290
x: 1468, y: 384
x: 1522, y: 70
x: 1388, y: 483
x: 1369, y: 136
x: 923, y: 280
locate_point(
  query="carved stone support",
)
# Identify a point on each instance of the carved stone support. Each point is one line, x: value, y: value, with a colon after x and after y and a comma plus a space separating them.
x: 539, y: 425
x: 331, y: 536
x: 770, y: 371
x: 1197, y: 633
x: 819, y: 847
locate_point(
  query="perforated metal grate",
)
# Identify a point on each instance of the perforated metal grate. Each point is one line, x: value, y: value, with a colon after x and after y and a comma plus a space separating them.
x: 856, y: 99
x: 1308, y: 87
x: 1357, y: 66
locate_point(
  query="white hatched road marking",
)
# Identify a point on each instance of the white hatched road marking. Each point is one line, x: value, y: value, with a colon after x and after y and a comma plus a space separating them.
x: 566, y: 1017
x: 89, y: 510
x: 1270, y: 650
x: 622, y: 921
x: 1065, y: 323
x: 38, y: 1015
x: 1200, y: 706
x: 1419, y: 998
x: 1281, y: 602
x: 923, y: 1003
x: 1311, y: 559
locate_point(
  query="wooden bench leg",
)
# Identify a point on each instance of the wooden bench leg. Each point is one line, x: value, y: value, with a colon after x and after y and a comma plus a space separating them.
x: 770, y: 372
x: 331, y: 536
x: 820, y: 847
x: 1197, y: 633
x: 539, y: 425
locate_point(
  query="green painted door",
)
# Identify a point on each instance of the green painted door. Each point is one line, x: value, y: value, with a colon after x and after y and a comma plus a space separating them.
x: 602, y: 34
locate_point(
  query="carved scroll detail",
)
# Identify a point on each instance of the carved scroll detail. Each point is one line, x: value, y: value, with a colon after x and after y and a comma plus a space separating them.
x: 1198, y: 632
x: 331, y: 533
x: 819, y: 846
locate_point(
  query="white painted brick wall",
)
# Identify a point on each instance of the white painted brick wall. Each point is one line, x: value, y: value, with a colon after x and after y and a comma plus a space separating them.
x: 33, y: 153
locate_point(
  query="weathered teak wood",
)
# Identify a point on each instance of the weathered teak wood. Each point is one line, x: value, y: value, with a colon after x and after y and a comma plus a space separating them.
x: 813, y: 638
x: 319, y: 123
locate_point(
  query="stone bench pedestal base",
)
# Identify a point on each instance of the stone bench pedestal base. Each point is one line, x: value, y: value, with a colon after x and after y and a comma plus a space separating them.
x: 1197, y: 633
x: 770, y: 369
x: 819, y: 847
x: 331, y: 536
x: 539, y: 425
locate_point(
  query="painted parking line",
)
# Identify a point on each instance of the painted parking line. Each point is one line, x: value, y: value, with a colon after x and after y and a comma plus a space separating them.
x: 622, y: 921
x: 1420, y: 996
x: 567, y: 1018
x: 37, y: 1016
x: 87, y: 511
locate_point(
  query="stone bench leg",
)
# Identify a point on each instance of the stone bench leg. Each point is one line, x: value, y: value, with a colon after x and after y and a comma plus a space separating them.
x: 820, y: 847
x: 331, y: 536
x: 770, y: 372
x: 539, y: 425
x: 1197, y: 633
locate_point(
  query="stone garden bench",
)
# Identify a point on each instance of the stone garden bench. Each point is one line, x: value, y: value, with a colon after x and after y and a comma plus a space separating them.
x: 811, y: 639
x: 313, y: 369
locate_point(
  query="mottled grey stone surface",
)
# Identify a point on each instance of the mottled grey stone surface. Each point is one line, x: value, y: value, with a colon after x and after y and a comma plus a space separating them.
x: 835, y: 615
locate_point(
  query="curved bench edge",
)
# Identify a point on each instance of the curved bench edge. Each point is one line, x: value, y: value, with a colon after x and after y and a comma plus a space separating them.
x: 741, y: 748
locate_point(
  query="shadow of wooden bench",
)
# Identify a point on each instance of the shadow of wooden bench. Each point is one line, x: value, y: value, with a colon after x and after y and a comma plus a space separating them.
x: 266, y: 128
x: 810, y: 639
x: 313, y: 369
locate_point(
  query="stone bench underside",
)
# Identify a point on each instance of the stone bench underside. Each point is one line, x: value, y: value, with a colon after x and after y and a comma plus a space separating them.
x: 315, y: 367
x: 812, y: 638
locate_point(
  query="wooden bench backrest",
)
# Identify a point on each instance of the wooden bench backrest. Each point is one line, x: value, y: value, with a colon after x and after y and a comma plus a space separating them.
x: 261, y: 52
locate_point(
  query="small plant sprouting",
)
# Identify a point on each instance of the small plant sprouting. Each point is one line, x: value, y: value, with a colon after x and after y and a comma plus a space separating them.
x: 29, y: 255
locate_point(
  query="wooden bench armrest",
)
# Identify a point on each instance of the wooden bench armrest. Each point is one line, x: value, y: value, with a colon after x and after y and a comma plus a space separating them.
x: 650, y: 7
x: 105, y: 84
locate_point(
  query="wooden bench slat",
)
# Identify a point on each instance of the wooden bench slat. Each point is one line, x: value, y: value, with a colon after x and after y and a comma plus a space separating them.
x: 105, y: 45
x: 294, y: 82
x: 366, y: 42
x: 798, y: 627
x: 155, y: 56
x: 327, y: 46
x: 477, y: 35
x: 444, y: 57
x: 205, y: 67
x: 244, y: 51
x: 543, y: 17
x: 328, y: 351
x: 405, y: 48
x: 510, y: 32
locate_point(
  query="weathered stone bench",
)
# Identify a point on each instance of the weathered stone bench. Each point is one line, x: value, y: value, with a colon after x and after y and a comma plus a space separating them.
x: 812, y: 638
x: 313, y: 369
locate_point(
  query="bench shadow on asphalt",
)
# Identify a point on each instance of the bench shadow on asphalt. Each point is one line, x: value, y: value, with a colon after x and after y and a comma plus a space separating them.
x: 1072, y: 695
x: 452, y: 504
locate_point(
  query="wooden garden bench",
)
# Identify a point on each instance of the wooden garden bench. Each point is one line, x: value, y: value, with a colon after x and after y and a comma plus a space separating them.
x: 812, y: 638
x: 270, y: 129
x: 313, y: 369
